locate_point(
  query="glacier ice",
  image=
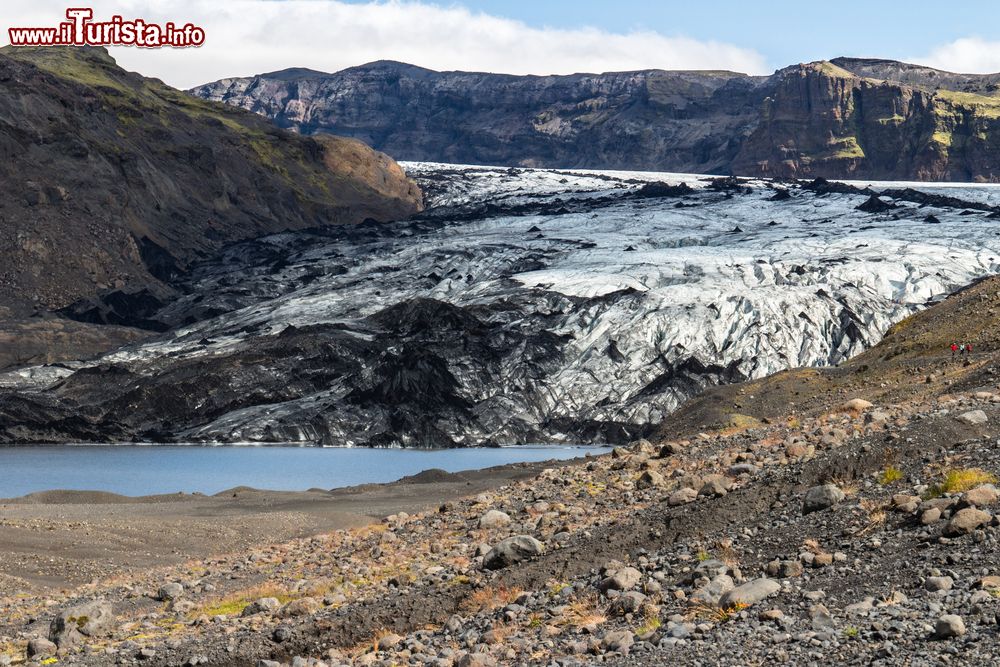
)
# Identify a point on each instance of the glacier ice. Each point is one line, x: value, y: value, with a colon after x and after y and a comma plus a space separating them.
x: 647, y: 301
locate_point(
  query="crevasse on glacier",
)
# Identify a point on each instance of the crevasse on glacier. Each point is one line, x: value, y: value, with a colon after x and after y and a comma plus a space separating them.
x: 541, y: 305
x: 732, y: 285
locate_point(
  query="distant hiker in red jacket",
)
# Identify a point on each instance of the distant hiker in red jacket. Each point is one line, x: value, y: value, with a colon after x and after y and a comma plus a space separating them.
x: 954, y: 349
x: 968, y: 349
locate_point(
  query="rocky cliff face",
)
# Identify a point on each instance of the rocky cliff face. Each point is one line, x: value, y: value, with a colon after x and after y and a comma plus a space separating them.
x: 846, y: 118
x: 823, y: 120
x: 684, y: 121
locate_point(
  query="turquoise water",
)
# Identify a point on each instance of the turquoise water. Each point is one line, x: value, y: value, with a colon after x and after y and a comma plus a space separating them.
x: 145, y: 470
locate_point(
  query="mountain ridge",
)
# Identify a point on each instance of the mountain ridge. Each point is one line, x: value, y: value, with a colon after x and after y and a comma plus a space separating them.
x: 860, y: 118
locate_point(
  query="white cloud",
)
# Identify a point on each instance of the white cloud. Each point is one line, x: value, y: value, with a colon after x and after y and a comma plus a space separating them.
x: 968, y: 55
x: 252, y: 36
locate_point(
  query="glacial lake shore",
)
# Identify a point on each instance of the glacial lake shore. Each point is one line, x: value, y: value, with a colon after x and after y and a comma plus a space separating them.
x: 144, y: 470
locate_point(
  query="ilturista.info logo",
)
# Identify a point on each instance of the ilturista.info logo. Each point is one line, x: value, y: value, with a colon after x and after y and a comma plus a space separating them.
x: 82, y: 30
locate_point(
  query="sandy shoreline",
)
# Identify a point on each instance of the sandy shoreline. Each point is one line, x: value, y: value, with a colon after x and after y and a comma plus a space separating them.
x: 61, y: 539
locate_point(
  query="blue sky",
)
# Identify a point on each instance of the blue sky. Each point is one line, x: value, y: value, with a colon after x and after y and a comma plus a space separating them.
x: 246, y: 37
x: 785, y: 32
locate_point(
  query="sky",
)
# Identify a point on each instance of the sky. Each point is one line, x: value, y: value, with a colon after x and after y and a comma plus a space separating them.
x: 245, y: 37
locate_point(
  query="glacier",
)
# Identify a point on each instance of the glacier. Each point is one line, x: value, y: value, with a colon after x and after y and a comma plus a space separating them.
x: 523, y: 306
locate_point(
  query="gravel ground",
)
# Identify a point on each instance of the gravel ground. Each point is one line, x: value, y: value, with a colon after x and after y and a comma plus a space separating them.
x: 696, y: 551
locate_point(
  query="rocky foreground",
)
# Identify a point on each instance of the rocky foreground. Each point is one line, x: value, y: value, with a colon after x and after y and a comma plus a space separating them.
x: 848, y: 533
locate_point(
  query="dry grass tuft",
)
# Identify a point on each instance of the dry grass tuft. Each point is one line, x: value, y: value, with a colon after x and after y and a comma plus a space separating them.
x: 650, y: 624
x: 960, y: 480
x: 712, y: 614
x: 377, y: 638
x: 889, y: 475
x: 584, y: 611
x: 489, y: 598
x: 876, y: 512
x: 235, y: 603
x: 848, y: 486
x: 499, y: 633
x: 813, y: 546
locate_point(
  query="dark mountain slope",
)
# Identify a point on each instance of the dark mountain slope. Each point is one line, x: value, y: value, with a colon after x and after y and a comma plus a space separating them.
x: 850, y: 117
x: 116, y: 181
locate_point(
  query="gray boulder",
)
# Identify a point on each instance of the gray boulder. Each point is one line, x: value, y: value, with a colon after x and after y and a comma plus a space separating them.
x: 512, y: 550
x: 949, y: 626
x: 476, y: 660
x: 711, y: 593
x: 682, y: 497
x: 643, y: 446
x: 263, y: 605
x: 169, y: 592
x: 39, y: 647
x: 936, y: 584
x: 715, y: 485
x: 494, y: 519
x: 973, y: 417
x: 90, y: 619
x: 712, y: 567
x: 622, y: 579
x: 749, y: 593
x: 822, y: 497
x: 965, y: 521
x: 619, y: 641
x: 784, y: 569
x: 983, y: 495
x: 627, y: 603
x: 822, y: 620
x: 649, y: 480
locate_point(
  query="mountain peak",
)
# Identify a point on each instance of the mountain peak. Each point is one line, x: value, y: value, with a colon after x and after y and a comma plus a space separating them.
x: 90, y: 65
x: 918, y: 76
x: 390, y: 66
x: 823, y: 67
x: 292, y: 74
x: 881, y: 65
